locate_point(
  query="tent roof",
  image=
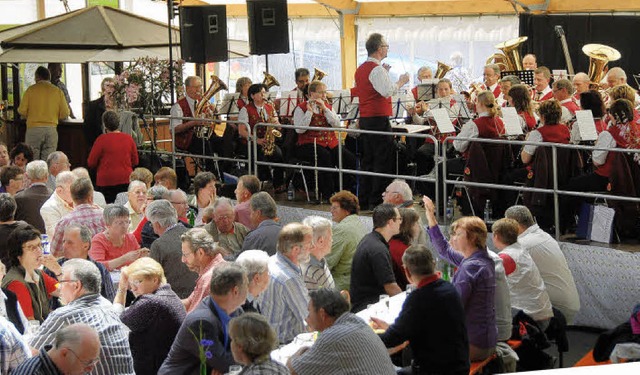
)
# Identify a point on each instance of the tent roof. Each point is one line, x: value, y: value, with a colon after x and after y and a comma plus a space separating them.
x: 93, y: 34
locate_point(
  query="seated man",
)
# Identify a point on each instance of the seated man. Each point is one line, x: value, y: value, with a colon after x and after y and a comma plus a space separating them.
x: 59, y: 203
x: 563, y: 92
x: 525, y: 283
x: 256, y: 263
x: 542, y: 91
x: 549, y: 259
x: 80, y: 291
x: 57, y: 162
x: 207, y: 327
x: 263, y: 215
x: 284, y: 303
x: 345, y: 345
x: 228, y: 233
x: 371, y: 270
x: 424, y: 73
x: 247, y: 186
x: 316, y: 271
x: 529, y: 62
x: 31, y: 199
x: 430, y: 313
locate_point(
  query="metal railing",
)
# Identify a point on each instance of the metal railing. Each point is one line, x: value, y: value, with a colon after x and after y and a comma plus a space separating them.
x: 555, y: 191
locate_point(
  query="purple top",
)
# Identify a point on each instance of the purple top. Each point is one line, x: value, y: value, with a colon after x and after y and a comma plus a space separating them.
x: 475, y: 280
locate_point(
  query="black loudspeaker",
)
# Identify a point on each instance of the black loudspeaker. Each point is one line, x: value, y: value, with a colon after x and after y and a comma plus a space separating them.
x: 203, y: 33
x: 268, y: 28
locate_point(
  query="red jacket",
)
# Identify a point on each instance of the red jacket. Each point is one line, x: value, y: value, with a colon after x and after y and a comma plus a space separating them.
x: 113, y: 155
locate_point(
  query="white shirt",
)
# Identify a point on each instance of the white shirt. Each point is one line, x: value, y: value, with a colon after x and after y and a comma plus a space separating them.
x: 566, y: 113
x: 503, y: 300
x: 534, y: 136
x: 176, y: 111
x: 54, y: 209
x: 542, y: 93
x: 301, y: 118
x: 555, y: 273
x: 243, y: 115
x: 379, y: 78
x: 605, y: 139
x: 469, y: 130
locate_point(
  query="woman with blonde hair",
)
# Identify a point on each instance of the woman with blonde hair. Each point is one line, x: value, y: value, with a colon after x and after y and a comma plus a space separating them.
x: 475, y: 278
x: 252, y: 340
x: 154, y: 317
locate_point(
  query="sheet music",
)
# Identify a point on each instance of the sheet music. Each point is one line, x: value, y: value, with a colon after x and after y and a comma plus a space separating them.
x: 288, y: 104
x: 601, y: 228
x: 353, y: 109
x: 442, y: 120
x: 426, y: 91
x: 559, y: 74
x: 511, y: 121
x: 464, y: 110
x: 586, y: 125
x: 229, y: 104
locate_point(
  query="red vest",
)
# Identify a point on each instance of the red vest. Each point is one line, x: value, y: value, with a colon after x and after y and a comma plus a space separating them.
x: 555, y: 133
x: 324, y: 139
x: 488, y: 127
x: 414, y: 91
x: 183, y: 139
x: 619, y: 134
x: 529, y: 119
x: 241, y: 103
x: 372, y: 104
x: 601, y: 125
x: 546, y: 96
x: 254, y: 117
x: 497, y: 91
x: 571, y: 106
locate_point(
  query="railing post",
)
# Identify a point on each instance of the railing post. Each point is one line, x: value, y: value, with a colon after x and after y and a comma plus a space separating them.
x: 556, y: 207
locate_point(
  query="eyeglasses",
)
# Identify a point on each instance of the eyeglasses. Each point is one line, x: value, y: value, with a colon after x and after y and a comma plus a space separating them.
x: 32, y: 248
x: 173, y: 202
x: 224, y: 217
x: 186, y: 255
x: 67, y: 281
x: 122, y: 222
x: 384, y: 46
x: 390, y: 192
x: 89, y: 363
x: 136, y: 283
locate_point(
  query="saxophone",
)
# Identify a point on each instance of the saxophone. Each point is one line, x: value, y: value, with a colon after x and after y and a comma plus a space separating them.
x: 205, y: 110
x: 269, y: 146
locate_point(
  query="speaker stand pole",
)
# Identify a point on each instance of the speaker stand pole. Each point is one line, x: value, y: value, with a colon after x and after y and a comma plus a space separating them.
x: 266, y: 62
x: 170, y: 15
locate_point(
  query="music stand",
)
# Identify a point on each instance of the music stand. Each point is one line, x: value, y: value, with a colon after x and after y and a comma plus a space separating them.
x: 465, y: 112
x: 526, y: 76
x: 288, y: 104
x: 636, y: 77
x: 353, y: 109
x: 229, y: 104
x: 426, y: 91
x: 399, y: 106
x: 340, y: 101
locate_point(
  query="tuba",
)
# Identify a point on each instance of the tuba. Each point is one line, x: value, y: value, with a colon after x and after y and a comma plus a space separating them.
x: 270, y: 81
x: 509, y: 59
x: 599, y: 57
x: 204, y: 109
x: 442, y: 70
x: 318, y: 75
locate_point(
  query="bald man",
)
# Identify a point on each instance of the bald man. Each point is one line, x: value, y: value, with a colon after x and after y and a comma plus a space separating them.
x: 580, y: 84
x: 529, y: 62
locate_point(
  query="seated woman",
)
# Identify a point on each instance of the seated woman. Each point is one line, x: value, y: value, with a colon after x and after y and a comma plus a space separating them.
x: 551, y: 130
x: 624, y: 92
x: 252, y: 340
x: 409, y: 230
x: 21, y: 154
x: 475, y: 278
x: 591, y: 100
x: 12, y: 178
x: 154, y: 317
x: 113, y: 155
x: 138, y: 174
x: 520, y: 99
x: 204, y: 194
x: 316, y: 112
x: 32, y: 287
x: 115, y: 247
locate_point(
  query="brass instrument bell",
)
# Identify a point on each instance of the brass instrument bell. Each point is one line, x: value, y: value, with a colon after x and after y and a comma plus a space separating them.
x: 318, y: 75
x: 442, y: 70
x: 599, y: 57
x: 510, y: 58
x: 270, y: 81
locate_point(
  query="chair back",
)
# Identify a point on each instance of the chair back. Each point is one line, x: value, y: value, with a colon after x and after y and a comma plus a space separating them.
x: 485, y: 163
x: 625, y: 181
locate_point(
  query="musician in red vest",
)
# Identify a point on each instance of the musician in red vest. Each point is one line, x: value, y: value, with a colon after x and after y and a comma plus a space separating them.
x: 302, y: 76
x: 259, y: 110
x: 374, y: 88
x: 506, y: 83
x: 423, y: 73
x: 529, y: 62
x: 542, y: 91
x: 242, y: 88
x: 316, y: 112
x: 520, y: 99
x: 591, y: 100
x: 580, y: 84
x: 563, y: 92
x: 551, y: 130
x: 491, y: 77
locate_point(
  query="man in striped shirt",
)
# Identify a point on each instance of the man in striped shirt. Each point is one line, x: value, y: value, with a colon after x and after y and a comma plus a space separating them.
x: 80, y: 292
x: 346, y: 344
x: 316, y: 271
x: 76, y: 351
x: 13, y: 349
x: 284, y: 303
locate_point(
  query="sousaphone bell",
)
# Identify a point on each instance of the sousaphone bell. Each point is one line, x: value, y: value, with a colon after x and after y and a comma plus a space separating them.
x: 599, y: 57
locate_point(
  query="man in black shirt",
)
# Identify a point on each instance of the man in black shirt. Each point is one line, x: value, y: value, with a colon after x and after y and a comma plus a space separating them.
x: 371, y: 269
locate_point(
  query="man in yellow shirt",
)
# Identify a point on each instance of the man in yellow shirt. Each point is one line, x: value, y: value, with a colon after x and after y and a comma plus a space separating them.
x: 43, y: 104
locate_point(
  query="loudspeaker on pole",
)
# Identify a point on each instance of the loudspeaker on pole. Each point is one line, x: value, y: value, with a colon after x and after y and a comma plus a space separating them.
x: 203, y: 33
x: 268, y: 28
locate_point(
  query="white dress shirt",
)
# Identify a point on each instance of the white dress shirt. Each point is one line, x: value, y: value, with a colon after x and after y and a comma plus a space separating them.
x: 176, y: 111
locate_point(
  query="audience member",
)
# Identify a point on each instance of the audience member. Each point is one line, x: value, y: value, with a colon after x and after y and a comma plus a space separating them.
x: 12, y: 179
x: 84, y: 212
x: 166, y: 177
x: 7, y: 224
x: 432, y: 319
x: 32, y: 287
x: 138, y: 174
x: 75, y: 351
x: 10, y: 308
x: 475, y: 278
x: 203, y: 256
x: 371, y: 270
x: 59, y: 203
x: 13, y: 347
x: 166, y: 249
x: 31, y: 199
x: 252, y: 340
x: 256, y: 263
x: 154, y: 317
x: 316, y: 272
x: 137, y: 200
x: 525, y: 283
x: 80, y: 292
x: 347, y: 233
x: 409, y: 229
x: 98, y: 197
x: 210, y: 320
x: 114, y: 247
x: 398, y: 193
x: 43, y: 105
x: 263, y: 216
x: 76, y: 244
x: 178, y: 199
x: 549, y: 259
x: 247, y: 186
x: 57, y: 162
x: 284, y: 303
x: 228, y: 233
x: 504, y: 318
x: 94, y: 110
x: 204, y: 194
x: 4, y: 155
x: 144, y: 233
x: 345, y: 344
x: 113, y: 156
x: 21, y: 154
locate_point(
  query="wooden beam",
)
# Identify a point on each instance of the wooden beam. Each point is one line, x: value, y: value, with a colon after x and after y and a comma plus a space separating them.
x: 348, y: 48
x: 40, y: 10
